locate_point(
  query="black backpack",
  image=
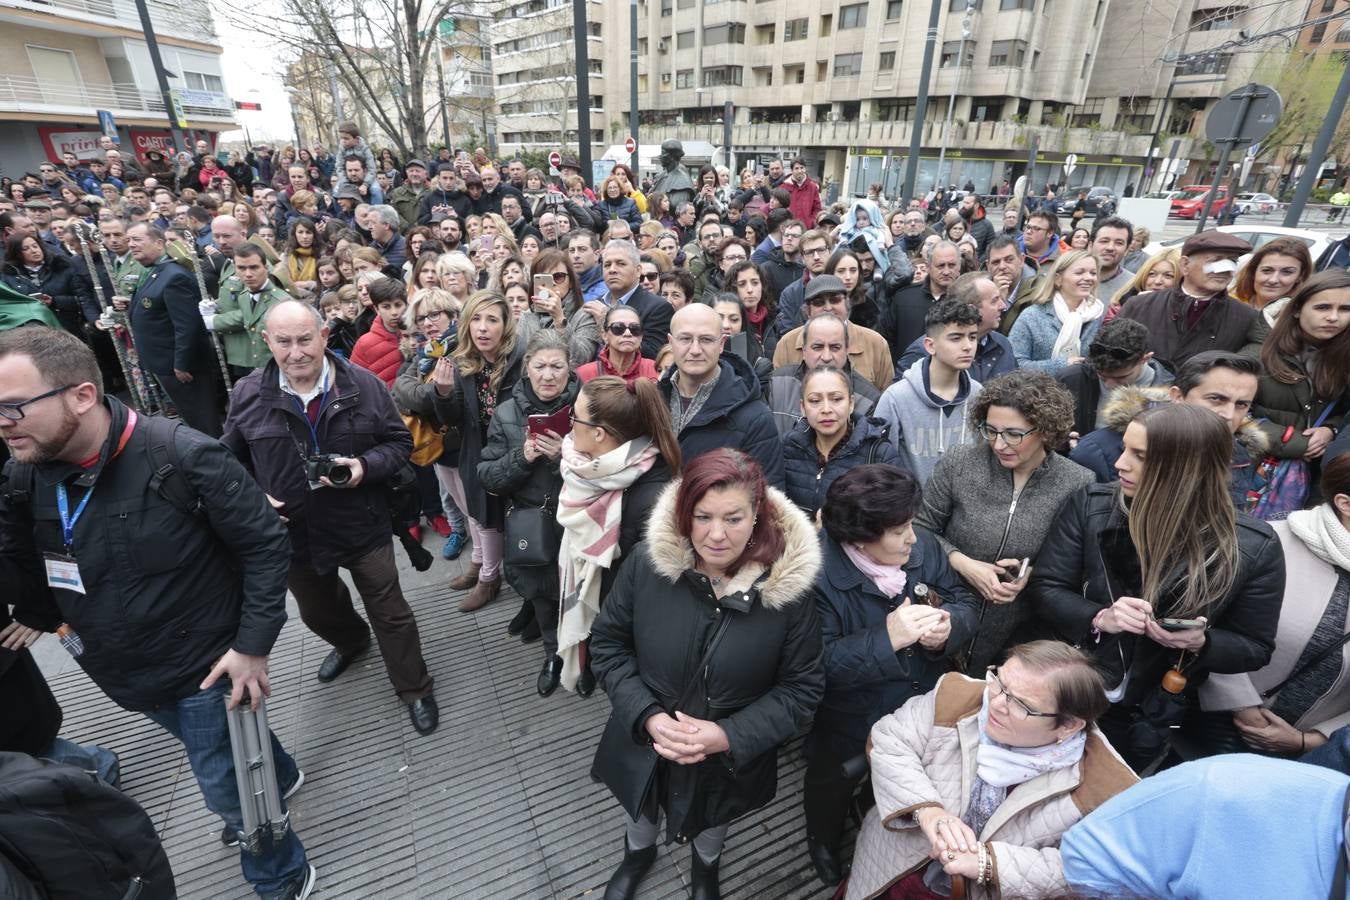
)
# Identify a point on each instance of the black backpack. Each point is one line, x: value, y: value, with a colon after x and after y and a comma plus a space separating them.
x: 65, y: 835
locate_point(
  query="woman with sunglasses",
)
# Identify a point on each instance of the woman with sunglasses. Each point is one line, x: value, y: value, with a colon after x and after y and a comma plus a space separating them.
x: 559, y: 307
x: 621, y: 354
x: 990, y: 504
x: 981, y: 779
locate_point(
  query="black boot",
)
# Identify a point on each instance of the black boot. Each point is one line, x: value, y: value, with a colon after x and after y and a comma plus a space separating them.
x: 531, y: 633
x: 549, y: 675
x: 825, y: 861
x: 521, y: 619
x: 703, y: 878
x: 586, y: 681
x: 623, y: 884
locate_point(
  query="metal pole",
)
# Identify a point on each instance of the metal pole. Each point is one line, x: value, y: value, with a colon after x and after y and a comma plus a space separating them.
x: 1313, y: 167
x: 956, y: 89
x: 633, y: 117
x: 1238, y: 127
x: 1033, y: 147
x: 579, y: 35
x: 1147, y: 180
x: 921, y: 104
x: 161, y: 77
x: 1293, y: 167
x: 728, y: 114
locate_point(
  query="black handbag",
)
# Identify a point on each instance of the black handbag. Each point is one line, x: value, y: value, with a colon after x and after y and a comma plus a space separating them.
x: 532, y: 536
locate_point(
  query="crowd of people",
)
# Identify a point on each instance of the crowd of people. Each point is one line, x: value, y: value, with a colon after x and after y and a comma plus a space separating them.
x: 1002, y: 519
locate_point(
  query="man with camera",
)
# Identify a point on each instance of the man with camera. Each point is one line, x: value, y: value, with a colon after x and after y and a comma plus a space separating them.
x: 323, y: 437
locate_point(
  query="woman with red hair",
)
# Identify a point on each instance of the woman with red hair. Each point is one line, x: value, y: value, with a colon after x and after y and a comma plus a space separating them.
x: 708, y: 646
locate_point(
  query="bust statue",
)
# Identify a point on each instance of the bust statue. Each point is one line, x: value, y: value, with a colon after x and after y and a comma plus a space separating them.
x: 674, y: 181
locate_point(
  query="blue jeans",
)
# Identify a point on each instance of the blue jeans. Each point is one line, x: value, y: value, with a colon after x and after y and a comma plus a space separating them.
x: 89, y: 757
x: 199, y: 722
x: 1334, y: 754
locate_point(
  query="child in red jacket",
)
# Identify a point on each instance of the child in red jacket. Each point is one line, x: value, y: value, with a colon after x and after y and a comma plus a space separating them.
x: 378, y: 349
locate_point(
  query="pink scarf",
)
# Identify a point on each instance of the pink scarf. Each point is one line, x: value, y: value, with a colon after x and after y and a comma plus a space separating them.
x: 890, y: 580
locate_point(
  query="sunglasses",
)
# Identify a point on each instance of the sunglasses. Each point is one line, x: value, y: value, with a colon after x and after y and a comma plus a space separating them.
x: 649, y: 276
x: 1117, y: 353
x: 619, y: 329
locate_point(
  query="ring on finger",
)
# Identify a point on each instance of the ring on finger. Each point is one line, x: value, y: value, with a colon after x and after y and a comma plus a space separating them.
x: 951, y: 855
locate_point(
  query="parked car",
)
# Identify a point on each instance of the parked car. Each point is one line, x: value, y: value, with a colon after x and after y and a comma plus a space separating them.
x: 1192, y: 200
x: 1162, y: 195
x: 1256, y: 203
x: 1257, y: 235
x: 1068, y: 198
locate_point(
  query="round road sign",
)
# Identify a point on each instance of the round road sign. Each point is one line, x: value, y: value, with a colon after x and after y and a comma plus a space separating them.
x: 555, y: 159
x: 630, y: 145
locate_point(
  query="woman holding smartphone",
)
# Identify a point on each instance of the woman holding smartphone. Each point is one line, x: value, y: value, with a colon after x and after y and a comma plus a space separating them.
x: 1159, y: 579
x: 555, y: 303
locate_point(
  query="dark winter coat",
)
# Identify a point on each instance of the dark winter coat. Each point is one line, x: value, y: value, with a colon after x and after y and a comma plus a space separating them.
x: 1222, y: 326
x: 625, y: 208
x: 414, y: 394
x: 761, y: 683
x: 166, y: 324
x: 864, y: 678
x: 1279, y: 406
x: 1081, y: 381
x: 909, y: 308
x: 785, y: 395
x: 329, y: 527
x: 1088, y: 561
x: 68, y: 284
x: 808, y: 479
x: 734, y: 416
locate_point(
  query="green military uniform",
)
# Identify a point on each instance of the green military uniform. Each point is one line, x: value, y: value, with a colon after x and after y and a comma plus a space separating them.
x: 408, y: 201
x: 126, y: 275
x: 239, y: 321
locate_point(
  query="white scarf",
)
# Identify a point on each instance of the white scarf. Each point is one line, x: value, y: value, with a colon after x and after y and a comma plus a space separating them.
x: 1069, y: 341
x: 1320, y: 529
x: 1003, y: 766
x: 590, y: 510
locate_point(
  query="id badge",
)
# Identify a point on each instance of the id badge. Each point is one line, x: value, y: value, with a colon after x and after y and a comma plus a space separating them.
x: 63, y: 572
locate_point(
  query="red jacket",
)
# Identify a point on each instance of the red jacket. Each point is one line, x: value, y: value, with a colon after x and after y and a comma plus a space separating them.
x: 377, y: 351
x: 645, y: 368
x: 805, y: 204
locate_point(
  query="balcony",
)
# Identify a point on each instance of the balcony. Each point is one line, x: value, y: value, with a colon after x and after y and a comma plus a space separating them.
x: 20, y: 94
x: 170, y: 19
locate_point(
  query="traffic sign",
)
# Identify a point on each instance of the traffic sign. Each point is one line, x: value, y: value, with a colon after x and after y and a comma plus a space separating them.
x: 1253, y: 151
x: 555, y: 159
x: 176, y: 107
x: 1070, y: 163
x: 247, y: 105
x: 629, y: 144
x: 1246, y: 115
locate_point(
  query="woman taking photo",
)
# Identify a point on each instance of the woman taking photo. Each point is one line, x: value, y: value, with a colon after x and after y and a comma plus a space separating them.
x: 831, y: 439
x: 1296, y: 702
x: 891, y: 611
x: 1159, y: 578
x: 560, y: 308
x: 481, y: 372
x: 701, y: 700
x: 981, y: 779
x: 1301, y: 398
x: 991, y: 504
x: 520, y: 465
x: 621, y: 354
x: 1267, y: 280
x: 618, y: 458
x: 1056, y: 328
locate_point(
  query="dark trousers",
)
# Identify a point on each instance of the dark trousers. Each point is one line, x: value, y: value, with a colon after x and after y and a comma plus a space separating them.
x: 326, y: 608
x: 539, y: 586
x: 827, y: 796
x: 197, y: 401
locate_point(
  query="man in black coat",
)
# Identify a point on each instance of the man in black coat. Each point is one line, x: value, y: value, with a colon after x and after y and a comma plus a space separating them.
x: 177, y: 605
x: 167, y: 328
x: 444, y: 197
x: 909, y: 306
x: 619, y: 265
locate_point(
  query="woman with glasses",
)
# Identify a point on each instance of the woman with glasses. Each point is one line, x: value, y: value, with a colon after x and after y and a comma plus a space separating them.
x: 621, y: 354
x: 560, y: 307
x: 979, y: 780
x: 891, y: 612
x: 990, y: 504
x: 730, y: 252
x: 520, y: 465
x: 1159, y: 578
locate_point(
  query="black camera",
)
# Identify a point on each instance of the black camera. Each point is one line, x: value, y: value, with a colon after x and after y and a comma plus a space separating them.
x: 325, y: 465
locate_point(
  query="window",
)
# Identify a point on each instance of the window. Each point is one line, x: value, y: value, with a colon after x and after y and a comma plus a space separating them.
x: 794, y: 74
x: 1016, y: 4
x: 1224, y: 18
x: 54, y: 67
x: 825, y: 23
x: 795, y: 29
x: 892, y: 110
x: 684, y: 40
x: 667, y: 7
x: 894, y: 8
x: 720, y: 75
x: 1319, y: 31
x: 847, y: 65
x: 597, y: 67
x: 986, y: 109
x: 642, y: 84
x: 197, y: 81
x: 727, y: 33
x: 1035, y: 60
x: 886, y: 62
x: 765, y: 34
x: 1214, y: 64
x: 853, y: 16
x: 763, y: 76
x: 1343, y: 36
x: 1087, y: 65
x: 1007, y: 53
x: 1328, y: 6
x: 950, y: 50
x: 960, y: 5
x: 684, y: 78
x: 684, y: 4
x: 642, y: 46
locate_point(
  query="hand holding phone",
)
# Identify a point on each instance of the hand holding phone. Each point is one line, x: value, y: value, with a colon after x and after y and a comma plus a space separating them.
x: 1013, y: 573
x: 1180, y: 624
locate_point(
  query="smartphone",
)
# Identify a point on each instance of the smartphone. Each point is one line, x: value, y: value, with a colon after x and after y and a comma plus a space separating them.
x: 1010, y: 577
x: 543, y: 283
x: 558, y: 423
x: 1179, y: 624
x: 488, y: 241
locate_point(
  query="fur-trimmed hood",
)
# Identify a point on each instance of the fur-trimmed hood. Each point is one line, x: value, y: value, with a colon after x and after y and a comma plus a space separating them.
x: 783, y: 583
x: 1127, y: 402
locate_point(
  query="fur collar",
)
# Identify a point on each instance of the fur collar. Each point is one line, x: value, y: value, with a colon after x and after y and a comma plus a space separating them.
x: 785, y: 582
x: 1127, y: 402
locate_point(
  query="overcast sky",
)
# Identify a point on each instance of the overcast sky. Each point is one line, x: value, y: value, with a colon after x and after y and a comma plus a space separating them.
x: 252, y: 74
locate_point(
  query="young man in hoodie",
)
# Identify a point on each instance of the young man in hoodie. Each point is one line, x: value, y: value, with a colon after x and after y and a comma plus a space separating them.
x: 926, y: 408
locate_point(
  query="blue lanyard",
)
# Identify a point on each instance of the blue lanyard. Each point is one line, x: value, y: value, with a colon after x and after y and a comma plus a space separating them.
x: 304, y: 414
x: 67, y: 520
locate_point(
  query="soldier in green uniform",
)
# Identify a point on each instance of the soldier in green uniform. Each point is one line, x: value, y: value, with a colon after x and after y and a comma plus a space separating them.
x: 239, y: 310
x: 125, y: 273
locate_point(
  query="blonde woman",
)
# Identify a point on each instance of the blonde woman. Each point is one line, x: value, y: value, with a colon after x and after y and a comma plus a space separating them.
x: 468, y: 387
x: 458, y: 275
x: 1158, y: 273
x: 1057, y: 328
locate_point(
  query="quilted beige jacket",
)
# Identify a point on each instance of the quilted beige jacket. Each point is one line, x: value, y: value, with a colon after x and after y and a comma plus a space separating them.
x: 924, y: 755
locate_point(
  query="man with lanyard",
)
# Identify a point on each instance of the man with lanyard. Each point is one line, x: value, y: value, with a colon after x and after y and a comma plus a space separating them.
x: 177, y: 606
x: 237, y: 315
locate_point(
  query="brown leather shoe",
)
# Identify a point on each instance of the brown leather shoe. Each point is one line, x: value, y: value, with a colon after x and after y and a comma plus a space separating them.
x: 467, y: 580
x: 482, y: 594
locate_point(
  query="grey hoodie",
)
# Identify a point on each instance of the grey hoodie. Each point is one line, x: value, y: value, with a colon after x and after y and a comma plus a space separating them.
x: 923, y: 425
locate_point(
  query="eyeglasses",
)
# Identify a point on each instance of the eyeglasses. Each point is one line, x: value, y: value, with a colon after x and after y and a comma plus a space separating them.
x: 428, y: 316
x: 1011, y: 436
x: 14, y: 411
x: 572, y: 417
x: 816, y: 251
x: 1020, y: 710
x: 619, y: 329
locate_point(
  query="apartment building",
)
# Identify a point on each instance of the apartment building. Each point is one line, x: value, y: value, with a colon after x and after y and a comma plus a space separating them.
x: 62, y: 61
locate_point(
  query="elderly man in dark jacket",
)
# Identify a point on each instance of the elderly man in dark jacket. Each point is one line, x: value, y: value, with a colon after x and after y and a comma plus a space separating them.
x: 323, y: 437
x: 177, y: 605
x: 1197, y: 314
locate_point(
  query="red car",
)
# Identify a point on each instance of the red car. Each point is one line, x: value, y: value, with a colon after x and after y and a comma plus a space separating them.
x: 1192, y: 200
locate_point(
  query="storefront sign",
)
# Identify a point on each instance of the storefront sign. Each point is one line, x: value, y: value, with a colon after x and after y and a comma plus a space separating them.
x: 142, y: 141
x: 58, y: 141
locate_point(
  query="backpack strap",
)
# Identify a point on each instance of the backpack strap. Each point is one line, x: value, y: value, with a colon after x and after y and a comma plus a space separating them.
x: 17, y: 488
x: 167, y: 479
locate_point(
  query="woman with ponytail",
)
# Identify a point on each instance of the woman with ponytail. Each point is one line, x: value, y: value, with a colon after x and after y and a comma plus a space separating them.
x: 620, y: 454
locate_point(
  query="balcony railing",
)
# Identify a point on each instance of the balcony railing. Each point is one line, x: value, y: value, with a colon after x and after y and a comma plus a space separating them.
x: 22, y: 94
x: 172, y: 19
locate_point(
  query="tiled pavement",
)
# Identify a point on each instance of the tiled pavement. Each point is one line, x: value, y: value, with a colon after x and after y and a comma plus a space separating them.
x: 498, y: 803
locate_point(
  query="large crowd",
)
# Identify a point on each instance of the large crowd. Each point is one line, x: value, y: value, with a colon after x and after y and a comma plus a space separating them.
x: 1002, y: 513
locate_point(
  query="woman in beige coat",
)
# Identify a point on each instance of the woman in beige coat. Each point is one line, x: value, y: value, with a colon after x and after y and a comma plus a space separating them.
x: 979, y: 779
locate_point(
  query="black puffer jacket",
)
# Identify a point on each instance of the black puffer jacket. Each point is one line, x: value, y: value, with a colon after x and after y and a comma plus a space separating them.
x: 65, y: 280
x: 808, y: 480
x: 1088, y: 561
x: 761, y: 684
